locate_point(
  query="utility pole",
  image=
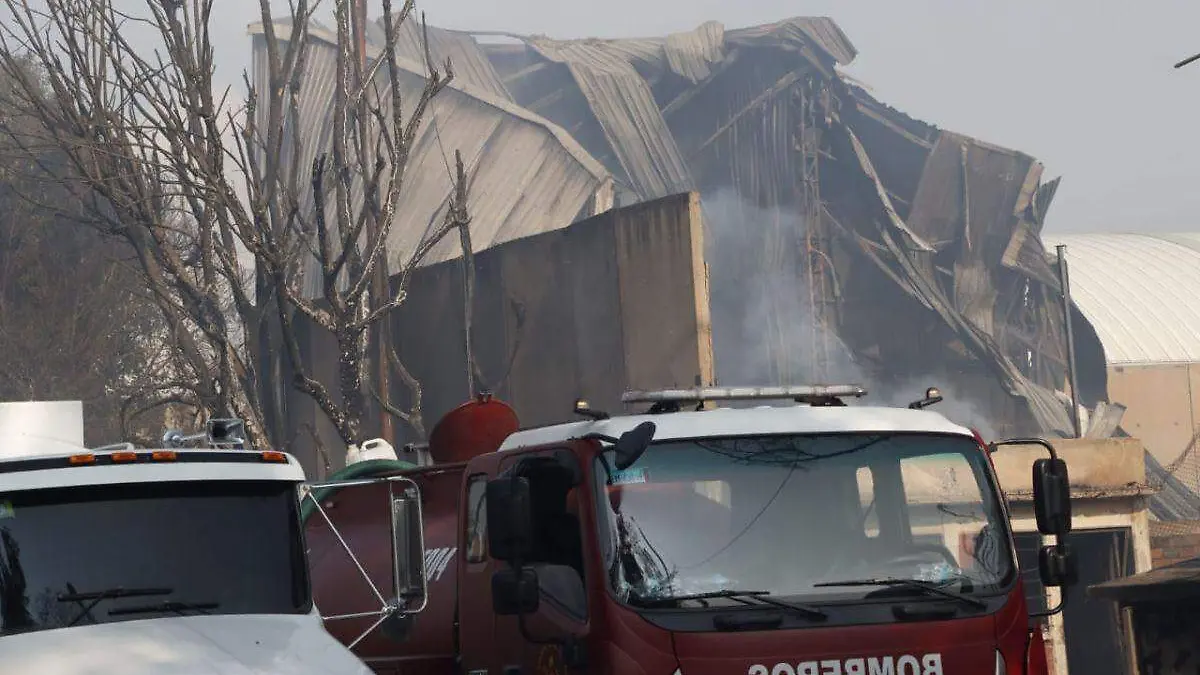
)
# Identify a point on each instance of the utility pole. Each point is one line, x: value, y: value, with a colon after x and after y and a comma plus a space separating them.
x: 1064, y: 281
x: 379, y: 277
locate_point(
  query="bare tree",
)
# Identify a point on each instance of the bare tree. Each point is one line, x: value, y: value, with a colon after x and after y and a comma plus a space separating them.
x: 73, y: 312
x: 162, y: 159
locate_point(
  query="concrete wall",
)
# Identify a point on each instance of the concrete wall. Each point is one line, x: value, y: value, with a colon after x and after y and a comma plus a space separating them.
x: 614, y: 302
x: 1094, y: 465
x: 1163, y: 402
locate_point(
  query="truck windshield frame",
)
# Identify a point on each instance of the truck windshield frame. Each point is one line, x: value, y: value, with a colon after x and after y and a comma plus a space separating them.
x: 71, y: 555
x: 699, y: 516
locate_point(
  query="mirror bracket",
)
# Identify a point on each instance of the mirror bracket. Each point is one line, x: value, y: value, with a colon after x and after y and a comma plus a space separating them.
x: 1052, y: 507
x: 628, y: 448
x: 996, y: 445
x: 394, y: 618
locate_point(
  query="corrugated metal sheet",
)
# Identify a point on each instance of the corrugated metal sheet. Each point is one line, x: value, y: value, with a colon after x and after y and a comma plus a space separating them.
x: 819, y: 31
x: 691, y: 55
x: 615, y: 77
x: 557, y: 177
x: 523, y: 180
x: 624, y: 105
x: 1141, y: 293
x: 471, y: 65
x: 1045, y: 405
x: 1175, y: 499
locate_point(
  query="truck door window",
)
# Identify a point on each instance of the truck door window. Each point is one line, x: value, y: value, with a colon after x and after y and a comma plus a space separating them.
x: 557, y: 554
x: 477, y: 519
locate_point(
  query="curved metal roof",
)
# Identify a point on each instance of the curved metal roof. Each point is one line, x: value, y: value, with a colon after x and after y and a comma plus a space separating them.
x: 1141, y: 293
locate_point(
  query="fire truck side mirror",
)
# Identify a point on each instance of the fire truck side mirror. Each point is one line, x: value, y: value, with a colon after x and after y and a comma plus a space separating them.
x: 408, y: 549
x: 630, y: 446
x: 509, y: 519
x: 1052, y: 496
x: 515, y: 591
x: 1057, y: 566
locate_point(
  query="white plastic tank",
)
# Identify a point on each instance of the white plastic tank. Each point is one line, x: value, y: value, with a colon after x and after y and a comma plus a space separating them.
x: 40, y: 428
x: 376, y: 448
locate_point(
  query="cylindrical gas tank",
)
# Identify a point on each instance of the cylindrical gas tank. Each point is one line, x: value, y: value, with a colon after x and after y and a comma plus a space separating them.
x: 363, y: 519
x: 472, y: 429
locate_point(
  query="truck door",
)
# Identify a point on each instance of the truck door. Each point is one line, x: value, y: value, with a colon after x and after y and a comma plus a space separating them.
x: 476, y: 619
x: 559, y: 554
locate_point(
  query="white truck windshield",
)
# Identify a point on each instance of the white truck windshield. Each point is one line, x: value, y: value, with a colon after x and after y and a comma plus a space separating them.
x: 98, y: 554
x: 785, y: 515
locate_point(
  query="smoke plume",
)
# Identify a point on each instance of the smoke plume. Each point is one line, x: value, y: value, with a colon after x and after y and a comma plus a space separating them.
x: 763, y: 320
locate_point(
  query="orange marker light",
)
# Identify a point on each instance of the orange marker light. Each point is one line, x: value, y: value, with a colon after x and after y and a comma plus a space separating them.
x: 82, y: 459
x: 124, y: 457
x: 272, y: 456
x: 163, y: 456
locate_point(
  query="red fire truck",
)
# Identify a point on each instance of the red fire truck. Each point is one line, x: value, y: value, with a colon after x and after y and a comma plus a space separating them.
x: 809, y: 538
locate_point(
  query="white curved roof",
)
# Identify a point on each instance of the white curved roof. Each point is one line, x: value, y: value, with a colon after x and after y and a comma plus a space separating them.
x: 1140, y: 292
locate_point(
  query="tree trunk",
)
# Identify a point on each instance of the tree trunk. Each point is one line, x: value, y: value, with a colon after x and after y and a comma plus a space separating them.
x: 350, y: 371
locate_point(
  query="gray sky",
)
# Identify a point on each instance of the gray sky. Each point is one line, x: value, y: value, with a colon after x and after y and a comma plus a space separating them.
x: 1086, y: 87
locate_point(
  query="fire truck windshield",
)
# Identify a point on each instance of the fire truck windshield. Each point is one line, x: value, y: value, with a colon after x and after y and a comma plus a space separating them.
x: 99, y: 554
x: 783, y: 515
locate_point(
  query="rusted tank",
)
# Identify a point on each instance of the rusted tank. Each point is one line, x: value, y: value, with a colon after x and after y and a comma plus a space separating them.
x: 360, y: 515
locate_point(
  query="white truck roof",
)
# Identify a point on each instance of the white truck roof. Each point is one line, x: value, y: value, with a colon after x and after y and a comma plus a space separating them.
x: 110, y: 467
x: 729, y: 422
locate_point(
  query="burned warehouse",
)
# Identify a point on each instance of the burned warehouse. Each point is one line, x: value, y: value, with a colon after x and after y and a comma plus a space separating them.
x: 827, y: 236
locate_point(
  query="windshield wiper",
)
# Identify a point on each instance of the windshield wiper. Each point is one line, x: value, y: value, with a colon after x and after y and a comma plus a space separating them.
x: 914, y: 584
x: 180, y: 608
x: 762, y: 596
x: 109, y: 593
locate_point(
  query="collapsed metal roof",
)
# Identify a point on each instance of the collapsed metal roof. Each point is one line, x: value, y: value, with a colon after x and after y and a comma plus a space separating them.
x: 953, y: 222
x: 942, y: 226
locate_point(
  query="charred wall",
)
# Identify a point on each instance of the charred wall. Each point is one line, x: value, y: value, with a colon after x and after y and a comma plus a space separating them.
x: 613, y: 302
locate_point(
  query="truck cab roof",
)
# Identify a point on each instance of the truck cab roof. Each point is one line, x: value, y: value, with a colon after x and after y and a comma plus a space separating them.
x: 758, y: 421
x: 107, y: 467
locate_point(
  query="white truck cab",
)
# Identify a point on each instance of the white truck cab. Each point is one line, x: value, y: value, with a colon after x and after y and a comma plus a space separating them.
x: 159, y: 561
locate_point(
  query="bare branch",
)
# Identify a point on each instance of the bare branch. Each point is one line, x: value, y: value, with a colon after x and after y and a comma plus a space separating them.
x: 241, y: 224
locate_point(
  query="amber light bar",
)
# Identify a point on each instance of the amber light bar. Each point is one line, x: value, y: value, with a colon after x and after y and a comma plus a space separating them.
x: 134, y: 457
